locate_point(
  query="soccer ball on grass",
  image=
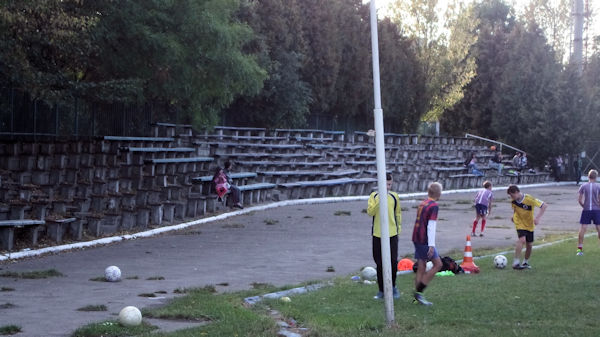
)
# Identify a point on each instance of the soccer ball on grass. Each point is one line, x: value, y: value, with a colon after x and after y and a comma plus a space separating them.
x: 369, y: 273
x: 500, y: 261
x: 130, y: 316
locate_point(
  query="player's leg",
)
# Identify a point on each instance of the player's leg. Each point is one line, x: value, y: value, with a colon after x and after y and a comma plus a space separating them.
x: 394, y: 260
x: 476, y: 221
x: 483, y: 221
x: 378, y: 262
x: 528, y: 249
x: 518, y: 248
x: 584, y: 220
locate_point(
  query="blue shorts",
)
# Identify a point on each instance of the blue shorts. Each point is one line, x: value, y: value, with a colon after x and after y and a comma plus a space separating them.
x: 588, y: 216
x: 422, y: 250
x: 481, y: 209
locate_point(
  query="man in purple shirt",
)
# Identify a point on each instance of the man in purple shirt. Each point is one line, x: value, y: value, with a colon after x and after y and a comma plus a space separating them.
x: 589, y: 199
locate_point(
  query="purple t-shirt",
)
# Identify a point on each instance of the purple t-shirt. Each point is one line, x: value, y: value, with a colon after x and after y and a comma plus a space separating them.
x: 484, y: 197
x: 591, y: 196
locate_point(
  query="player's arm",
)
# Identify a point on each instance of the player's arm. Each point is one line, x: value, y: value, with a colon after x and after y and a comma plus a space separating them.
x: 431, y: 226
x: 543, y: 208
x: 373, y: 204
x: 580, y: 199
x: 490, y: 208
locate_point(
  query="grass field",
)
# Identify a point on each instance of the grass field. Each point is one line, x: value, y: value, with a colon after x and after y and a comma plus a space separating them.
x: 556, y: 298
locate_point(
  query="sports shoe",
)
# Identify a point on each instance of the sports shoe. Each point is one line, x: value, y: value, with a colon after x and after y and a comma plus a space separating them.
x: 518, y: 267
x: 525, y: 266
x: 579, y: 252
x: 379, y: 295
x: 473, y: 234
x: 421, y: 299
x: 481, y: 234
x: 396, y: 293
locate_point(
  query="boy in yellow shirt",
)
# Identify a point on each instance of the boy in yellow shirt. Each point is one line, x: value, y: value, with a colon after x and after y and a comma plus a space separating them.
x: 394, y: 224
x: 523, y: 205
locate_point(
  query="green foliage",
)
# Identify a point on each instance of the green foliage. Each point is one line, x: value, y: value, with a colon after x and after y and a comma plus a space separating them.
x: 186, y: 55
x: 36, y: 274
x: 9, y: 329
x: 112, y: 329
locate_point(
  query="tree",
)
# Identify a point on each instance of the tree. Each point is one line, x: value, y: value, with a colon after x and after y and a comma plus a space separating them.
x: 555, y: 19
x: 44, y: 47
x: 285, y: 98
x: 186, y: 55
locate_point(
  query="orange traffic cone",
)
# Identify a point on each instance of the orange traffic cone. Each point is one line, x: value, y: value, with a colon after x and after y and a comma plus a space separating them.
x: 468, y: 265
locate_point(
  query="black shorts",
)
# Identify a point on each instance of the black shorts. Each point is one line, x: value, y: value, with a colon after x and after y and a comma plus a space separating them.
x: 527, y: 234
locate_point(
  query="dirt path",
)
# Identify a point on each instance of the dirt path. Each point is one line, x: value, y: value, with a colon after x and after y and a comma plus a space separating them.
x: 281, y: 246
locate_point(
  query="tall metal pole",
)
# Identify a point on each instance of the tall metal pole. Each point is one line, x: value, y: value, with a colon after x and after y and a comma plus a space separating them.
x: 577, y: 56
x: 381, y: 180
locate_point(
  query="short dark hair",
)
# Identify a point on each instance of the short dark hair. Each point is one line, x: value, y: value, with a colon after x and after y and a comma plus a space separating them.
x: 388, y: 176
x: 487, y: 184
x: 227, y: 165
x: 512, y: 189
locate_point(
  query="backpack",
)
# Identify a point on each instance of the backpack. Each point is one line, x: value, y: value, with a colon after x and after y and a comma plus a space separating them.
x: 220, y: 183
x: 447, y: 264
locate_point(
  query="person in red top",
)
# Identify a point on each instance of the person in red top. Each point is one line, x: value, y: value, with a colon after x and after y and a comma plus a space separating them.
x: 424, y: 240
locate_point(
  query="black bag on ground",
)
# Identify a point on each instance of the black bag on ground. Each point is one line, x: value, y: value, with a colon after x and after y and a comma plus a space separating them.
x: 448, y: 263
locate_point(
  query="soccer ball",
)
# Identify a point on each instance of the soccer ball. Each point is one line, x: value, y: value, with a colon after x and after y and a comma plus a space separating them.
x: 428, y: 266
x: 112, y: 274
x: 500, y: 261
x: 369, y: 273
x: 130, y: 316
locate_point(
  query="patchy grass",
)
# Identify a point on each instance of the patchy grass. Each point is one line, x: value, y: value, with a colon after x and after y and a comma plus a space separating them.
x: 7, y: 305
x: 340, y: 213
x: 271, y: 221
x: 113, y: 329
x: 155, y: 278
x: 7, y: 289
x: 308, y: 217
x: 36, y: 274
x: 464, y: 202
x: 330, y: 269
x: 97, y: 307
x: 223, y: 284
x: 9, y: 329
x: 160, y: 292
x: 147, y: 295
x: 135, y: 277
x: 543, y: 301
x: 98, y: 279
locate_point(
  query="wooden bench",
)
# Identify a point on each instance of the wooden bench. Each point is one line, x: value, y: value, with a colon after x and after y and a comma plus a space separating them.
x: 116, y: 142
x: 319, y: 188
x: 136, y: 155
x: 56, y: 228
x: 205, y: 181
x: 7, y: 231
x: 255, y: 193
x: 171, y: 129
x: 172, y: 166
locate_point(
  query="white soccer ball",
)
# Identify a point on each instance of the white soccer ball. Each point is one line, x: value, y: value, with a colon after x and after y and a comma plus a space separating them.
x: 112, y: 274
x: 369, y: 273
x: 130, y: 316
x: 428, y: 266
x: 500, y: 261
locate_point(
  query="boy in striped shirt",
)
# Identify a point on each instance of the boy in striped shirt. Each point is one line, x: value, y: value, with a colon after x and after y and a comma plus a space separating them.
x: 483, y: 206
x: 589, y: 199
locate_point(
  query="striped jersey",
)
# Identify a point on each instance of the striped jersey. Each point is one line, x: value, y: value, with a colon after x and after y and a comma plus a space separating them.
x: 428, y: 210
x: 484, y: 197
x: 591, y: 196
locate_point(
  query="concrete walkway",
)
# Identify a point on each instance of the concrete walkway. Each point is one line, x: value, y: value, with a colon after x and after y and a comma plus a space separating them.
x: 280, y: 246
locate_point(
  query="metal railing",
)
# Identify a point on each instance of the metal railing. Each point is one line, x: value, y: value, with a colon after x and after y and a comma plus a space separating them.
x: 500, y: 144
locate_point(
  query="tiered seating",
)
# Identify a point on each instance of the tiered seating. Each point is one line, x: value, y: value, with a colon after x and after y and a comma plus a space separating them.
x: 94, y: 187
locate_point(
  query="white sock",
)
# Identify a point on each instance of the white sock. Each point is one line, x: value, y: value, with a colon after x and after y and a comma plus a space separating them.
x: 524, y: 261
x: 516, y: 262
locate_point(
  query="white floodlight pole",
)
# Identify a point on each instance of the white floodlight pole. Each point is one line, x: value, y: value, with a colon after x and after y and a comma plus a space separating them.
x: 381, y: 180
